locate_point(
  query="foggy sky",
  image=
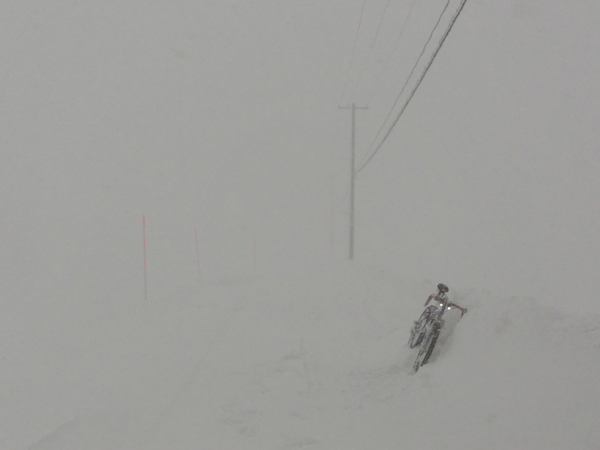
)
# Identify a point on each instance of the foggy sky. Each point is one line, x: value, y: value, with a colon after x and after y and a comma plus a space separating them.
x: 223, y: 116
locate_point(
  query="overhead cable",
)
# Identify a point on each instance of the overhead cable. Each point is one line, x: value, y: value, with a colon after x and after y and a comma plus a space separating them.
x: 445, y: 35
x: 373, y: 44
x: 393, y: 51
x: 437, y: 24
x: 353, y: 51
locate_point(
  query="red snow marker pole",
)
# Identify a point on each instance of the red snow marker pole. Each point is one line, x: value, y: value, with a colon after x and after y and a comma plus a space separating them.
x: 145, y: 269
x: 197, y: 251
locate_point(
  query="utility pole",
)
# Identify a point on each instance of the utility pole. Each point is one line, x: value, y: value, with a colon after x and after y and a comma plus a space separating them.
x: 352, y: 176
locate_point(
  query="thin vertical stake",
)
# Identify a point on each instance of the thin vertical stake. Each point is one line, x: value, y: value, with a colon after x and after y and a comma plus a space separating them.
x: 197, y: 252
x: 352, y: 178
x: 145, y: 268
x: 331, y: 218
x: 254, y: 243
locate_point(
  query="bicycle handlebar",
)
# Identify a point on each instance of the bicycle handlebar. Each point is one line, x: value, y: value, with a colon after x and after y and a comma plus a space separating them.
x: 444, y: 300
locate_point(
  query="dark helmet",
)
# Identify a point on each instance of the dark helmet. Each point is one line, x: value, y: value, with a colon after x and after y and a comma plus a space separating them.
x: 443, y: 288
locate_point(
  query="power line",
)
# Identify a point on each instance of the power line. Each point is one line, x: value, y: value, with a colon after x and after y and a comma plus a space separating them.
x: 385, y: 70
x: 353, y: 51
x: 442, y: 40
x: 393, y: 51
x: 407, y: 79
x: 373, y: 43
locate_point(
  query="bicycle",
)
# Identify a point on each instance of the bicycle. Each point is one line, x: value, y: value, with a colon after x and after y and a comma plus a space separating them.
x: 426, y: 330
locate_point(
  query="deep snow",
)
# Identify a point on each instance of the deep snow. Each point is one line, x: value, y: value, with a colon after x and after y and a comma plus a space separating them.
x: 316, y: 360
x: 222, y: 116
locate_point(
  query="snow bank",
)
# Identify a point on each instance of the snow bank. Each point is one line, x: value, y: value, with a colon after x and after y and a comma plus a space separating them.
x: 319, y: 360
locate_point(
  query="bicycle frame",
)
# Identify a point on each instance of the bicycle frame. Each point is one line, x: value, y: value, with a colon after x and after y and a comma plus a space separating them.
x: 438, y: 316
x: 426, y: 331
x: 432, y: 314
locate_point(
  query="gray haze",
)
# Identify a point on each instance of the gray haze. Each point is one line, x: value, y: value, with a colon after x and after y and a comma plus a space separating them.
x: 223, y: 116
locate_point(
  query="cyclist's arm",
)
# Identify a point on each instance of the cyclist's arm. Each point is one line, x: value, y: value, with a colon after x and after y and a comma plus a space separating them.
x: 429, y: 299
x: 463, y: 311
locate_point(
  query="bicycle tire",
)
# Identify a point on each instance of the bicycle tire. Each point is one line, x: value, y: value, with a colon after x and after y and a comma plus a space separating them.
x: 434, y: 337
x: 427, y: 347
x: 417, y: 333
x: 419, y: 359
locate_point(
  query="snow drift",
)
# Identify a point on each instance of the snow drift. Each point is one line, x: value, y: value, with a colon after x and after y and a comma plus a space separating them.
x: 320, y: 360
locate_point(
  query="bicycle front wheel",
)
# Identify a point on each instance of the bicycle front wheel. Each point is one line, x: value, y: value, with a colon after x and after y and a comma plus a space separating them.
x: 427, y: 348
x: 417, y: 333
x: 435, y: 332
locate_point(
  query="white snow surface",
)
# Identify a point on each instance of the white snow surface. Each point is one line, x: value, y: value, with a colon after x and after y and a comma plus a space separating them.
x: 218, y: 122
x: 315, y: 360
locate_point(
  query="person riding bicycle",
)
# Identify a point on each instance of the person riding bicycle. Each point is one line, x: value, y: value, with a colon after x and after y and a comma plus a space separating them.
x: 432, y: 312
x: 426, y: 331
x: 442, y: 298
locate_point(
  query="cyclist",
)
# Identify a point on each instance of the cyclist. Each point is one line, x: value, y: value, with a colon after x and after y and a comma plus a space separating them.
x: 421, y: 326
x: 443, y: 299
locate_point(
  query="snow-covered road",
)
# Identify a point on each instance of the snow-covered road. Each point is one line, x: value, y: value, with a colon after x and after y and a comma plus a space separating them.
x: 320, y: 361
